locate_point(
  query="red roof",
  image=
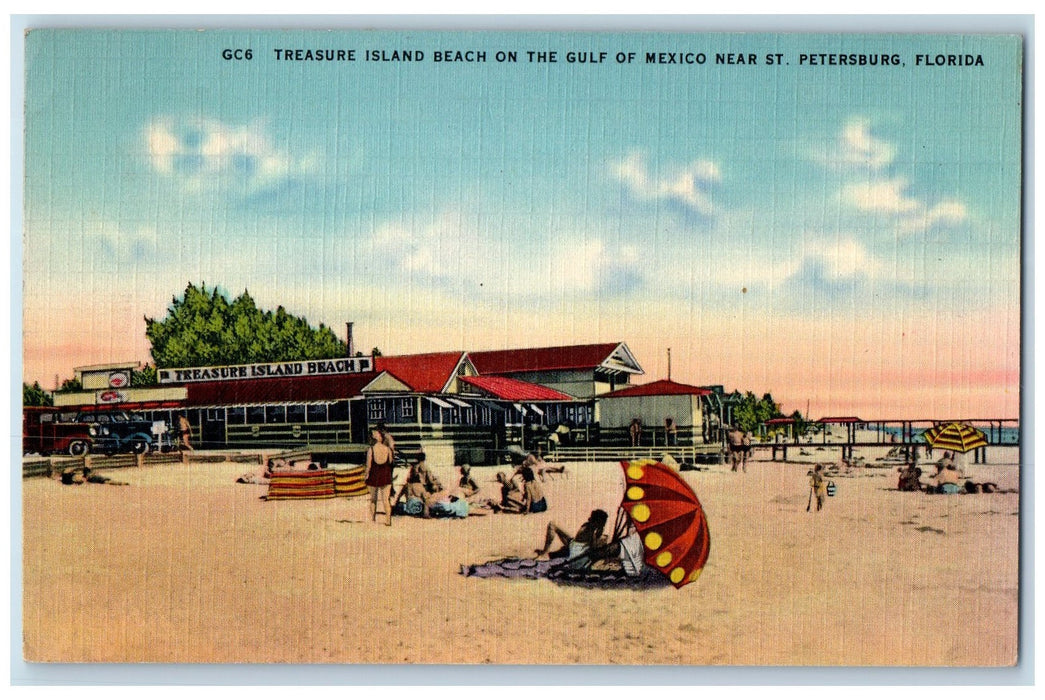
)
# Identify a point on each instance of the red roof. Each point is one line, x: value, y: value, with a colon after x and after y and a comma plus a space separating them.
x: 428, y: 372
x: 661, y: 387
x: 538, y: 359
x: 292, y: 389
x: 780, y: 421
x: 515, y: 390
x: 840, y: 419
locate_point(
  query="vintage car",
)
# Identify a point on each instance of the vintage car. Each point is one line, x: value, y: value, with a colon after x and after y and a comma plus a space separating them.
x: 114, y: 431
x: 47, y: 430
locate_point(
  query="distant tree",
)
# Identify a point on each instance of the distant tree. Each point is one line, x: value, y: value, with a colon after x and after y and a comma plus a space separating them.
x: 752, y: 412
x: 203, y: 328
x: 72, y: 384
x: 374, y: 352
x: 146, y: 376
x: 35, y: 395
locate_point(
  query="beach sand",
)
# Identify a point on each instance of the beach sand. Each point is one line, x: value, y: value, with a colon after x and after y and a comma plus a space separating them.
x: 184, y: 565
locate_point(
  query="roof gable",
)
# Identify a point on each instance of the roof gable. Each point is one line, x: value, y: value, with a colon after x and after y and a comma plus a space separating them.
x: 427, y: 372
x: 661, y: 387
x: 608, y: 356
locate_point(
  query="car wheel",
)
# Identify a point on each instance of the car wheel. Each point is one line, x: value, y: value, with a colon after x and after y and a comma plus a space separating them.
x: 79, y: 448
x: 139, y: 446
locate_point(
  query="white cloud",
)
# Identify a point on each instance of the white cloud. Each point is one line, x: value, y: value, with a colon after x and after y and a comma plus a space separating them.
x: 453, y: 251
x: 945, y: 212
x: 202, y: 152
x: 856, y: 147
x: 879, y: 194
x: 911, y: 214
x: 687, y: 185
x: 841, y: 258
x: 884, y: 196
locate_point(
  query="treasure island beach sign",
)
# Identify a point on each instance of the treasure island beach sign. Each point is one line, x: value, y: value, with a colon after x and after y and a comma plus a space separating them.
x: 263, y: 370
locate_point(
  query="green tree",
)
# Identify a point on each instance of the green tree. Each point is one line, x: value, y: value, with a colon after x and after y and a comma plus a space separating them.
x: 35, y: 395
x: 752, y: 412
x: 146, y: 376
x: 71, y: 384
x: 204, y: 328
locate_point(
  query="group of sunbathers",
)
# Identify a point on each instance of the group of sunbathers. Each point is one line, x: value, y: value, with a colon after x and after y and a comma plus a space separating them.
x: 947, y: 479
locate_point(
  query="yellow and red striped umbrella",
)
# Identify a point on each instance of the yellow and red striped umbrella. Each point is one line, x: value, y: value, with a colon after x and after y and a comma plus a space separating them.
x: 956, y: 437
x: 669, y: 519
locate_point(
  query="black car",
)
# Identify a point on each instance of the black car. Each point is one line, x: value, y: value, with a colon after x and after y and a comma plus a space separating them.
x: 120, y: 431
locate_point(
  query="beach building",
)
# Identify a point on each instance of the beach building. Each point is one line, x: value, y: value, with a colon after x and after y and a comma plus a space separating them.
x: 653, y: 404
x: 581, y: 371
x: 440, y: 402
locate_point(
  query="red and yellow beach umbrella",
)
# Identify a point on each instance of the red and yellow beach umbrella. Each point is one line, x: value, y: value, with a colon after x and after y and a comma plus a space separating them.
x: 956, y: 437
x: 669, y: 519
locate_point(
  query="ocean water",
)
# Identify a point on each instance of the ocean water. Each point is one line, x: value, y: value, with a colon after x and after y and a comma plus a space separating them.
x: 1006, y: 436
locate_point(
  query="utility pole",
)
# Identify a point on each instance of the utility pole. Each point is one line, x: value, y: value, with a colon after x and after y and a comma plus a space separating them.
x: 669, y: 364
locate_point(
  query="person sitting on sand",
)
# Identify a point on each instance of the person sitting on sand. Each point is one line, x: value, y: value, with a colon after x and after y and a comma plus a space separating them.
x: 533, y: 500
x: 909, y: 478
x: 946, y: 461
x: 588, y: 545
x: 947, y: 479
x: 511, y: 496
x: 411, y: 497
x: 466, y: 483
x: 429, y: 480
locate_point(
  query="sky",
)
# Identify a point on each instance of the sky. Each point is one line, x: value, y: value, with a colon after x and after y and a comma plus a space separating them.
x: 845, y: 237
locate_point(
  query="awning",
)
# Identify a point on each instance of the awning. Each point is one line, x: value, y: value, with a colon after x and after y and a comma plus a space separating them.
x: 439, y: 402
x: 459, y: 402
x: 520, y: 408
x: 537, y: 409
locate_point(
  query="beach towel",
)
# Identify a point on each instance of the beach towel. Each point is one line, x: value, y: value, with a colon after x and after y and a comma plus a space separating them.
x: 292, y: 485
x: 554, y: 570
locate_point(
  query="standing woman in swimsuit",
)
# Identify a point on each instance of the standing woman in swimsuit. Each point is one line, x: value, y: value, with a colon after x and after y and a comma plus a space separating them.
x: 378, y: 473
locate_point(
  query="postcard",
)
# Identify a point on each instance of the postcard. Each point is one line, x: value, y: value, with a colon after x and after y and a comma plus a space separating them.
x: 519, y: 347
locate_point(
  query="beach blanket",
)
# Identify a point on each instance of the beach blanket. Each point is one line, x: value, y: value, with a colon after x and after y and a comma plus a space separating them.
x: 555, y: 570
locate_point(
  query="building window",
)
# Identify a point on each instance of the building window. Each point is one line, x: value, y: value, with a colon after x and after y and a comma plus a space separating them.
x: 215, y: 414
x: 236, y: 415
x: 375, y: 409
x: 296, y: 413
x: 316, y: 413
x: 406, y: 407
x: 276, y: 414
x: 339, y: 412
x: 256, y: 414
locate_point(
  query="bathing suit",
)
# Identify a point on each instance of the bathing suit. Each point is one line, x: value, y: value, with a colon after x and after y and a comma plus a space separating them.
x: 380, y: 474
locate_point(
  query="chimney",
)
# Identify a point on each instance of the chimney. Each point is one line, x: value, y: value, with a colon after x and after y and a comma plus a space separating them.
x: 348, y: 339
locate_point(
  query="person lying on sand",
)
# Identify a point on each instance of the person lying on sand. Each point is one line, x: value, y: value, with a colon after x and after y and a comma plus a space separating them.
x: 983, y: 487
x: 588, y: 545
x: 85, y: 475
